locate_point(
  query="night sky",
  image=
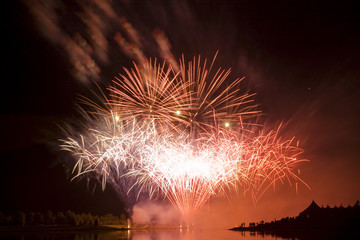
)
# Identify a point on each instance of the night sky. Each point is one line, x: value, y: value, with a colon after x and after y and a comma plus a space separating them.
x: 302, y: 60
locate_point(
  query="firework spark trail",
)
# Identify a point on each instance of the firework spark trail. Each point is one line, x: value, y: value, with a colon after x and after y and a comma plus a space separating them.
x: 165, y: 132
x: 188, y: 176
x: 150, y: 92
x: 213, y: 101
x: 192, y: 98
x: 106, y: 150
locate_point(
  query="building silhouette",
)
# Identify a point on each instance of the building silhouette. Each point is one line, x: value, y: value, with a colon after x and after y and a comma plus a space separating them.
x: 330, y: 217
x: 313, y: 220
x: 312, y: 210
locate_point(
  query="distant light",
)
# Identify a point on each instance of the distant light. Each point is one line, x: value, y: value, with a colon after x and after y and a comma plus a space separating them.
x: 178, y: 112
x: 227, y: 124
x: 117, y: 118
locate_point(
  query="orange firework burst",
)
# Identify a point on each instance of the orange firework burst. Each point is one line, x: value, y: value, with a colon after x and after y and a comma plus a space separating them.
x: 182, y: 134
x: 150, y: 92
x: 193, y: 98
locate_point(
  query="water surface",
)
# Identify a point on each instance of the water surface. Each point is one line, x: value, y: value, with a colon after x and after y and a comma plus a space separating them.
x: 158, y: 234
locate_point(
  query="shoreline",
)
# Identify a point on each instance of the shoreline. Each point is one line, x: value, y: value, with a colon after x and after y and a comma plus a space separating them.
x: 64, y: 228
x: 54, y: 228
x: 303, y: 232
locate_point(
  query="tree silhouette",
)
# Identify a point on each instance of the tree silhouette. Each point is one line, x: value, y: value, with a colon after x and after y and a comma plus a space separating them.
x: 19, y: 218
x: 49, y: 218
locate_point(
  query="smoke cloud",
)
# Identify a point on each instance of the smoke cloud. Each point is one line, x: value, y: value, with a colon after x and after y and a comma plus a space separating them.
x: 152, y: 212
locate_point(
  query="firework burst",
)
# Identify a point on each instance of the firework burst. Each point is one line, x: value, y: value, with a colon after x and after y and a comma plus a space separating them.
x: 182, y: 134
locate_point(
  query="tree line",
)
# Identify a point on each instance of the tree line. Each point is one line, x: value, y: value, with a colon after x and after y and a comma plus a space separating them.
x: 60, y: 218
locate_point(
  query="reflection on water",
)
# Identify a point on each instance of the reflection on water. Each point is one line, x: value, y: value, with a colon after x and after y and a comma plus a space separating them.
x: 199, y: 235
x: 181, y: 234
x: 173, y: 234
x: 163, y: 234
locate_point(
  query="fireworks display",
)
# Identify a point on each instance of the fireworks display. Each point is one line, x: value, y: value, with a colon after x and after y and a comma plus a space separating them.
x: 181, y: 131
x: 198, y: 113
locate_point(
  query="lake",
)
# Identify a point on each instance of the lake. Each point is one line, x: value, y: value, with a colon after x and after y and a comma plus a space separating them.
x: 158, y: 234
x: 162, y: 234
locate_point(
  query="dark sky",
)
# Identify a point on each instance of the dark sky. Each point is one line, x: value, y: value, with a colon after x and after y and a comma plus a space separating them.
x: 302, y: 60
